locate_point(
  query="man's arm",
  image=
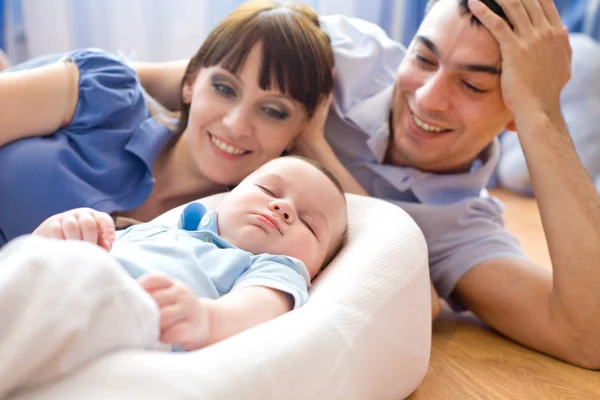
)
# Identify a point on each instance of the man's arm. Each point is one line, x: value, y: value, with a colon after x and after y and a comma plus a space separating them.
x: 517, y: 299
x: 559, y: 315
x: 162, y: 81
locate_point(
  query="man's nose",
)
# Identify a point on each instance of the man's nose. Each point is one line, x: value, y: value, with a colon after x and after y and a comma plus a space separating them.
x: 285, y: 209
x: 434, y: 94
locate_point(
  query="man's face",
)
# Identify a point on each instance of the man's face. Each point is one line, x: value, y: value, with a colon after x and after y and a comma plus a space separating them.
x: 447, y: 103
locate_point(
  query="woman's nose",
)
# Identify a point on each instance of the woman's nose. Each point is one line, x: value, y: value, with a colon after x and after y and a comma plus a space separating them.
x: 285, y: 209
x: 238, y: 121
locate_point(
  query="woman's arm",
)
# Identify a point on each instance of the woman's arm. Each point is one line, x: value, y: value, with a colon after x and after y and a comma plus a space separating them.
x: 162, y: 80
x: 37, y: 101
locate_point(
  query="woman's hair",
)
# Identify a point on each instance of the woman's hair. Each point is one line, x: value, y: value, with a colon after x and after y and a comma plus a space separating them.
x: 297, y: 57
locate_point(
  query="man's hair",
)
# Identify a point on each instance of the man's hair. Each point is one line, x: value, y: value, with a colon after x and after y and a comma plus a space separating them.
x: 344, y: 237
x: 463, y: 7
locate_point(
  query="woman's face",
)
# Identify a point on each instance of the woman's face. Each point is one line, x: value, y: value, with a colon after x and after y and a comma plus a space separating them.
x: 234, y: 126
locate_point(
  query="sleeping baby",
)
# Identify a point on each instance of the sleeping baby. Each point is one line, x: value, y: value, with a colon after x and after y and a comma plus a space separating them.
x: 223, y: 271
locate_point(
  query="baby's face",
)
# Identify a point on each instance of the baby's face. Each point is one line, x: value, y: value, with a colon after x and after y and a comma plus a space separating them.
x: 286, y: 207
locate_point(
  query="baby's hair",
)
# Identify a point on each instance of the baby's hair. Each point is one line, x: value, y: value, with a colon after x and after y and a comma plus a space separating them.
x: 344, y: 237
x: 324, y: 170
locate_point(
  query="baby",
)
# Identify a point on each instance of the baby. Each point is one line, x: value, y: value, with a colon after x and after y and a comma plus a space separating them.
x: 224, y: 271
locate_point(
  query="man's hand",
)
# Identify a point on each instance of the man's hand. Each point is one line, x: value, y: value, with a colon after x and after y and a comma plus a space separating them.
x: 80, y: 224
x: 184, y: 318
x: 536, y: 54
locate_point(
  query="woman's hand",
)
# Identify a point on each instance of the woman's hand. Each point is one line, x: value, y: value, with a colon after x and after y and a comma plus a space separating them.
x: 184, y: 318
x: 80, y: 224
x: 536, y: 54
x: 313, y: 136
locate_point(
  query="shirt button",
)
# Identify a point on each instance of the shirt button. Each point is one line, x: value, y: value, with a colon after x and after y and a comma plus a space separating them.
x: 205, y: 220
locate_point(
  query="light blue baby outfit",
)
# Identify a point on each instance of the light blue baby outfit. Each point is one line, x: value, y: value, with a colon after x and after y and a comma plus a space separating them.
x: 196, y: 255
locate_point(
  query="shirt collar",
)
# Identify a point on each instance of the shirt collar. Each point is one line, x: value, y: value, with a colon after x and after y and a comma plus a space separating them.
x: 372, y: 117
x: 432, y: 188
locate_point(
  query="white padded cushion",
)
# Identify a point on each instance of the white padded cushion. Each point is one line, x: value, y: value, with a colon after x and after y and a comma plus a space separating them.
x: 364, y: 333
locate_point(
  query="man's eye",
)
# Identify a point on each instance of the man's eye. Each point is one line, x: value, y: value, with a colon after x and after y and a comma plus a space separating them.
x: 274, y: 113
x: 224, y: 89
x: 474, y: 88
x: 422, y: 60
x: 267, y: 191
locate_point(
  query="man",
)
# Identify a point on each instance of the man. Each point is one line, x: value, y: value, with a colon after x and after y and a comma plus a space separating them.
x: 461, y: 82
x: 423, y: 136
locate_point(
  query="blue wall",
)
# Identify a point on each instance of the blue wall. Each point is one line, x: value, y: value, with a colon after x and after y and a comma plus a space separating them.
x: 573, y: 13
x: 1, y: 24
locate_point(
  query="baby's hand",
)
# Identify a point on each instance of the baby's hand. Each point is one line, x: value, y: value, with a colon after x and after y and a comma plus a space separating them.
x: 184, y: 319
x: 80, y: 224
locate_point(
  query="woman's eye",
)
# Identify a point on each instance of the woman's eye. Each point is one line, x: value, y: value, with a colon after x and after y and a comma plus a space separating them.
x: 267, y: 191
x: 223, y: 89
x: 474, y: 88
x: 276, y: 114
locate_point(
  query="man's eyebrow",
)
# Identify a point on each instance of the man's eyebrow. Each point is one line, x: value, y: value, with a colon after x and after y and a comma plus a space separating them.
x: 488, y: 69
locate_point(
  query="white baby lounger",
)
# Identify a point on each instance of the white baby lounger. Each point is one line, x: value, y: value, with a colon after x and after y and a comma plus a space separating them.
x: 364, y: 333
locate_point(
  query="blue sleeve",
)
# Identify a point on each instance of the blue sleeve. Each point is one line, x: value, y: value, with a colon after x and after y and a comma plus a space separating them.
x: 84, y: 164
x: 109, y: 92
x: 277, y: 272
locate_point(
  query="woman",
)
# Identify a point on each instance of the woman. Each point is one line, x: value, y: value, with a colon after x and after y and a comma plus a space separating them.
x: 81, y: 133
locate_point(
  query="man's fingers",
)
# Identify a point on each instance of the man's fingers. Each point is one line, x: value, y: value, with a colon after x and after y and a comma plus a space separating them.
x: 536, y: 13
x: 494, y: 23
x: 517, y: 15
x: 551, y: 12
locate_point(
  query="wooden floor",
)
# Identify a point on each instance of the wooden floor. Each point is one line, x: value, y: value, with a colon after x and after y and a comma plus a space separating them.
x: 469, y: 361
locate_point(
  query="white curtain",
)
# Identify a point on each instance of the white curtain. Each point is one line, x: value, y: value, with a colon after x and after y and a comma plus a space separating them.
x: 149, y: 30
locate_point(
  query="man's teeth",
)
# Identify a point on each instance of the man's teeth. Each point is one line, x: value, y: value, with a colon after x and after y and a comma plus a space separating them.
x: 427, y: 127
x: 226, y: 147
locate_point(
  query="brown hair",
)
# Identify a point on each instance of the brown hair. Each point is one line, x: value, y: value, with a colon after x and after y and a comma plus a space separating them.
x: 463, y: 6
x: 297, y: 55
